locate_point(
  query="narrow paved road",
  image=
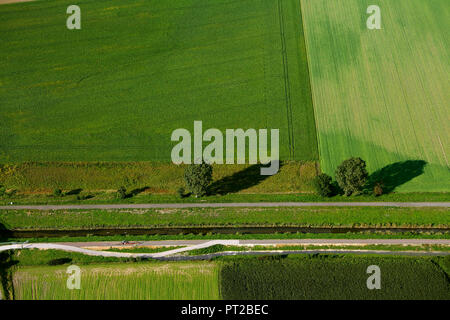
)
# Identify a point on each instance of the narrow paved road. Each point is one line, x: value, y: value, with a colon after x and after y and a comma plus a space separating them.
x: 227, y: 205
x: 87, y: 247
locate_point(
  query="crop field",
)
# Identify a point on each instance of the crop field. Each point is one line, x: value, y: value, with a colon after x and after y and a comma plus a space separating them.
x: 155, y: 281
x: 382, y: 95
x: 116, y: 89
x: 332, y: 277
x: 263, y: 277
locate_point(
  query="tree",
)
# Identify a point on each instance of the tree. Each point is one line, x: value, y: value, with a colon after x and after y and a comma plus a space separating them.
x: 351, y: 175
x: 198, y: 177
x: 322, y: 185
x: 2, y: 191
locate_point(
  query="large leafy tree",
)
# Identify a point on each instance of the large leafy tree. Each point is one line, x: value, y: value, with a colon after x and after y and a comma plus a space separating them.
x: 351, y: 175
x: 198, y: 177
x: 323, y: 185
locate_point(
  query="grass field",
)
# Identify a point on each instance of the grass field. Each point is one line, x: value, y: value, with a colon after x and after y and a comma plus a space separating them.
x: 149, y: 177
x: 231, y: 217
x: 332, y: 277
x: 116, y: 89
x: 155, y: 281
x: 382, y: 94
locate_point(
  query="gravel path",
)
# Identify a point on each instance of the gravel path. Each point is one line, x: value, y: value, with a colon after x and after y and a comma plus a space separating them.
x: 84, y: 247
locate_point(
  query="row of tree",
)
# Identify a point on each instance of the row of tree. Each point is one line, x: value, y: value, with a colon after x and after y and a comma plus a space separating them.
x: 351, y: 177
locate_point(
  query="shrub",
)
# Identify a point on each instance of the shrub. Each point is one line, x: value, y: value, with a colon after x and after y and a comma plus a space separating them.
x: 2, y: 191
x: 378, y: 189
x: 351, y: 175
x: 59, y: 261
x: 121, y: 193
x: 198, y: 177
x: 181, y: 192
x: 57, y: 193
x: 323, y: 185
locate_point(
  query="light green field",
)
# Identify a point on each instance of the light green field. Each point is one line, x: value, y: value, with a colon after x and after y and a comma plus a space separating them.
x: 382, y: 94
x: 155, y: 281
x: 116, y: 89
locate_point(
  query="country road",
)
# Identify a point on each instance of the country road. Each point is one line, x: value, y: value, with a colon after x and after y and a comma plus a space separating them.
x: 227, y: 205
x: 87, y: 247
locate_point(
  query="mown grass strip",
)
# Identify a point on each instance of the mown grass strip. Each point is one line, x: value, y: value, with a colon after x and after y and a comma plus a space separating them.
x: 235, y: 217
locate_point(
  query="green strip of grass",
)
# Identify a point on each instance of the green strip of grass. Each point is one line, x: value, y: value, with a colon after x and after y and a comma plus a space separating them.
x: 231, y: 217
x: 103, y: 197
x: 35, y: 257
x: 356, y: 235
x: 222, y: 248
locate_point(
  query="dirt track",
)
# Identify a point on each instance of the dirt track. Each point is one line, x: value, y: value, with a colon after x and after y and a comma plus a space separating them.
x: 13, y: 1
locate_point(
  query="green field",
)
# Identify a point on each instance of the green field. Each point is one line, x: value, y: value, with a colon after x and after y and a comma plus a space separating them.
x: 116, y: 89
x: 95, y: 108
x: 382, y: 94
x: 332, y: 277
x: 155, y: 281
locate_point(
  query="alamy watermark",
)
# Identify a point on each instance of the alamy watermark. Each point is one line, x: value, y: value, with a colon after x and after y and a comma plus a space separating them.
x: 235, y: 147
x: 74, y: 20
x: 74, y: 279
x: 374, y: 20
x: 374, y: 281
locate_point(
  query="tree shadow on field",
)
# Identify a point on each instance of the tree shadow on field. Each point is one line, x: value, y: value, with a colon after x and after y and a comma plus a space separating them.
x: 247, y: 178
x: 136, y: 191
x: 396, y: 174
x: 5, y: 233
x: 74, y: 192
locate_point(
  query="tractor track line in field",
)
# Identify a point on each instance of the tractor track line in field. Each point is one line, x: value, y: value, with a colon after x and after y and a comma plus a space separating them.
x: 287, y: 89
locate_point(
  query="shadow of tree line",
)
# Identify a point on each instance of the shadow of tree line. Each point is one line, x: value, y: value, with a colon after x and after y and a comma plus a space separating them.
x: 7, y: 263
x: 244, y: 179
x: 390, y: 177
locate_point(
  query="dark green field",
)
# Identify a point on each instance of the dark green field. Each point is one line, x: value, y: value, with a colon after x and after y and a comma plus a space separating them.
x: 116, y: 89
x: 332, y: 277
